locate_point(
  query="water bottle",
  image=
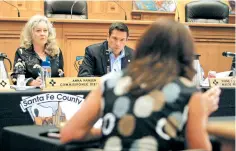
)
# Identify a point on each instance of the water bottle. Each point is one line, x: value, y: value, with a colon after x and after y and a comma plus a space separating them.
x: 198, y: 78
x: 20, y: 80
x: 20, y: 71
x: 46, y: 71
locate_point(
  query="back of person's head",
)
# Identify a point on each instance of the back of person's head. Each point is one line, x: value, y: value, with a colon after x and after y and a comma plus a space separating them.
x: 120, y: 27
x: 27, y: 37
x: 164, y: 52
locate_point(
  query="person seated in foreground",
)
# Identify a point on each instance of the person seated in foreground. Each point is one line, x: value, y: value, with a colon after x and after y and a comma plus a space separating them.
x: 38, y: 42
x: 152, y: 103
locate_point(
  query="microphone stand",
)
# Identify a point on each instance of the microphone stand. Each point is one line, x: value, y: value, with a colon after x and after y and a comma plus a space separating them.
x: 233, y: 68
x: 71, y: 10
x: 13, y: 6
x: 121, y: 8
x: 177, y: 10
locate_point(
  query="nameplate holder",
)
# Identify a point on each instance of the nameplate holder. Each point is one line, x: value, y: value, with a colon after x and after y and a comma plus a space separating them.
x: 229, y: 82
x: 72, y: 83
x: 4, y: 84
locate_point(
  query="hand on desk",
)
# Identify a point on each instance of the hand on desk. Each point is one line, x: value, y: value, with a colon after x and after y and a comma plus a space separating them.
x: 212, y: 97
x: 37, y: 82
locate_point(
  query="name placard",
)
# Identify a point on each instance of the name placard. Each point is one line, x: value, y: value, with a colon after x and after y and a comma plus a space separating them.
x: 4, y: 84
x: 223, y: 82
x: 72, y: 83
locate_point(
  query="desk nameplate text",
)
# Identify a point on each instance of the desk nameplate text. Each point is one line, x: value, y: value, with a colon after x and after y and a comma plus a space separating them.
x: 223, y: 82
x: 75, y: 83
x: 4, y: 84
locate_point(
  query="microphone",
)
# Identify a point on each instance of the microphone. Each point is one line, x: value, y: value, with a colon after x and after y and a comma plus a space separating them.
x: 13, y: 6
x: 108, y: 60
x: 177, y: 10
x: 121, y: 8
x: 229, y: 54
x: 71, y: 9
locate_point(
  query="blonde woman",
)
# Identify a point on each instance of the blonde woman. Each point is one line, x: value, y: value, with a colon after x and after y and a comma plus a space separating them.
x: 38, y: 43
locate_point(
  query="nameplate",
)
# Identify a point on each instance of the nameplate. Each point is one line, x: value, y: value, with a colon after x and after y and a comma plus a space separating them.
x: 4, y: 84
x: 223, y: 82
x: 72, y: 83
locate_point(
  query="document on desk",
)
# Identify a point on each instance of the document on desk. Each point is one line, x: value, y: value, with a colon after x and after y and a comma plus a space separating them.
x: 218, y: 75
x: 70, y: 109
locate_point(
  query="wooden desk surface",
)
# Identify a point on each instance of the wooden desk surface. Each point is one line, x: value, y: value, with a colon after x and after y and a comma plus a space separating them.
x: 224, y: 129
x: 98, y: 21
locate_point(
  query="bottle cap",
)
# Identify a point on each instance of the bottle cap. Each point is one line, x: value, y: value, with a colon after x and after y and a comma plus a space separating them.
x: 212, y: 74
x: 46, y: 63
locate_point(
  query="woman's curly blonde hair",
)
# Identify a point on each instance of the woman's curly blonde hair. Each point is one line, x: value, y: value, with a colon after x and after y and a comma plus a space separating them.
x: 26, y: 39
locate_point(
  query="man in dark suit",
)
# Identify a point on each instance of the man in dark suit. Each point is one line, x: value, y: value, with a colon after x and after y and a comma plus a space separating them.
x: 110, y: 56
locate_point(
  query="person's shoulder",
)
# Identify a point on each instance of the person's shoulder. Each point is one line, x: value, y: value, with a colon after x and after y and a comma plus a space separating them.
x: 95, y: 46
x: 95, y: 49
x: 59, y: 51
x: 20, y: 50
x: 127, y: 48
x: 129, y: 51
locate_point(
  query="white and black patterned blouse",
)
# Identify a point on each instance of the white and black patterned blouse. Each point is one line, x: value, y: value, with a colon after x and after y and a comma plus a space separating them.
x: 154, y: 121
x: 31, y: 63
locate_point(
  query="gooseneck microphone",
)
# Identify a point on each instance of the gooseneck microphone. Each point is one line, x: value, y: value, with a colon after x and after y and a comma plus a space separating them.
x: 177, y: 10
x: 229, y: 54
x: 71, y: 9
x: 121, y: 8
x: 108, y: 60
x: 13, y: 6
x: 232, y: 55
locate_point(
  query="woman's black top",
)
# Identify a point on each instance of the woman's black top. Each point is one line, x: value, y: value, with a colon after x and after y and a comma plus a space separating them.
x: 153, y: 121
x: 28, y: 62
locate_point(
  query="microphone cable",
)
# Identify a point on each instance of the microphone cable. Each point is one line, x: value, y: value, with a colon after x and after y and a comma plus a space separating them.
x: 13, y: 6
x: 121, y: 8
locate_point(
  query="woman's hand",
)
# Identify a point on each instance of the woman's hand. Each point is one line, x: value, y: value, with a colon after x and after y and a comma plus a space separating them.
x: 37, y: 82
x: 211, y: 99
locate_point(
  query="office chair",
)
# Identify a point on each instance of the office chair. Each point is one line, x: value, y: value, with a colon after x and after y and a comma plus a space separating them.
x: 65, y: 9
x: 207, y: 12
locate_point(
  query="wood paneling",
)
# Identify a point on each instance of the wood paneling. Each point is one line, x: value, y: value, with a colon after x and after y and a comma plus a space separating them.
x: 151, y: 15
x: 224, y: 131
x: 232, y: 19
x: 109, y: 10
x: 154, y: 15
x: 74, y: 35
x: 26, y: 8
x: 211, y: 41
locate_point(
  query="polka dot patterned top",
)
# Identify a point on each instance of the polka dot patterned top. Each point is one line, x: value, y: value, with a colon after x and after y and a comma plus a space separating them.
x: 153, y: 121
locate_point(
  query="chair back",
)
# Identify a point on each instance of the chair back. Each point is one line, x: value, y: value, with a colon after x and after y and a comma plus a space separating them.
x: 207, y: 12
x: 66, y: 9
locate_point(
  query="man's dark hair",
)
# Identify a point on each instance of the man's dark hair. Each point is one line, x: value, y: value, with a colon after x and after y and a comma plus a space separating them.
x: 119, y: 26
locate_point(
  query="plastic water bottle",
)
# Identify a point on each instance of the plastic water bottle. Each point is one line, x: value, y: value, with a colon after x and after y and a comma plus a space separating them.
x: 20, y: 80
x: 46, y: 71
x: 198, y: 78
